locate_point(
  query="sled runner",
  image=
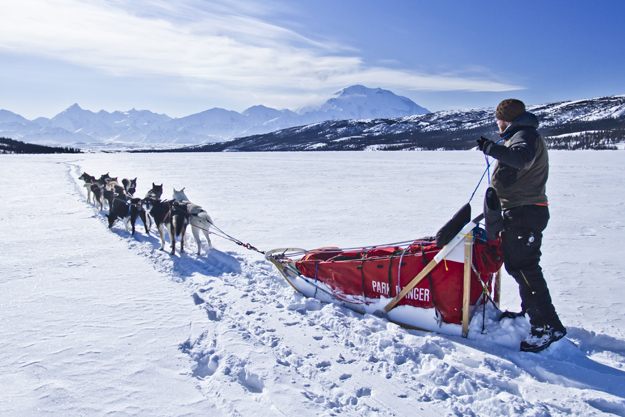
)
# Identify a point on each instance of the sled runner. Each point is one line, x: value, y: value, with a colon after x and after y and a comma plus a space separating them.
x: 417, y: 284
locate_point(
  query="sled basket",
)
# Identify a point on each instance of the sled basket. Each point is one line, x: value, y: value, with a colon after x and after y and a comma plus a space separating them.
x: 418, y: 285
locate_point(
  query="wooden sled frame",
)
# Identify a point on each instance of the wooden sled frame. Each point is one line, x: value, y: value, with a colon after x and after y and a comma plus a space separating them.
x: 466, y: 235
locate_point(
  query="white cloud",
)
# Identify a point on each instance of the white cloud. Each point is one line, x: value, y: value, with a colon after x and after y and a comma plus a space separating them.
x: 210, y: 43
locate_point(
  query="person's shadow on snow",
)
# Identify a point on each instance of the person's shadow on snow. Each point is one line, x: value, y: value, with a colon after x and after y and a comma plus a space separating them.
x: 570, y: 364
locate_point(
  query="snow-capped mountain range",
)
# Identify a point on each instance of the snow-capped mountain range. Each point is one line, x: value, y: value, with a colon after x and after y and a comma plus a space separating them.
x: 83, y: 128
x: 601, y: 120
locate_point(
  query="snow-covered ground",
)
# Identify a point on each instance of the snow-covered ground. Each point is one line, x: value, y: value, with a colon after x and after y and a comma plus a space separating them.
x: 98, y: 322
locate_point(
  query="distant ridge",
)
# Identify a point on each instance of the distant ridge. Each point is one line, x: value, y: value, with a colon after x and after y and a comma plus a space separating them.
x: 78, y: 127
x: 581, y: 124
x: 596, y: 123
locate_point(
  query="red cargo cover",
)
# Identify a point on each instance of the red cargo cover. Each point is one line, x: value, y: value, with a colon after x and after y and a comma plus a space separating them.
x: 367, y: 275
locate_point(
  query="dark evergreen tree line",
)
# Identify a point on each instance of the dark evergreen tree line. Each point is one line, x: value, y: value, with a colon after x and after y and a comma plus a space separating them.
x: 16, y: 147
x: 599, y: 139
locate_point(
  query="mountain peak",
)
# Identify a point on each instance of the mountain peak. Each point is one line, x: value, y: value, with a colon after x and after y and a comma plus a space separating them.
x: 74, y: 109
x: 259, y: 109
x: 10, y: 117
x: 361, y: 90
x: 356, y: 89
x: 360, y: 102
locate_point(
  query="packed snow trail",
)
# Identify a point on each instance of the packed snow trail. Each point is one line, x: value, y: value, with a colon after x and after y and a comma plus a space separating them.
x: 96, y: 321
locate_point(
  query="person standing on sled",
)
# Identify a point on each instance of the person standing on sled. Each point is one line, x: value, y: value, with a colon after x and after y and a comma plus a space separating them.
x: 519, y: 179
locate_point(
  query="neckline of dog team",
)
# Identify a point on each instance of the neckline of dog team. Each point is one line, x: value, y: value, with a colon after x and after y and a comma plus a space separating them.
x: 172, y: 215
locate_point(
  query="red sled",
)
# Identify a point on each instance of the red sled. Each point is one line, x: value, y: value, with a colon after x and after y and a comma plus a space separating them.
x: 418, y: 285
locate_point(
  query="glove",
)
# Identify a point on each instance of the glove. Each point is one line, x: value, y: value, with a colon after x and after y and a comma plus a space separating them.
x: 493, y: 220
x: 484, y: 144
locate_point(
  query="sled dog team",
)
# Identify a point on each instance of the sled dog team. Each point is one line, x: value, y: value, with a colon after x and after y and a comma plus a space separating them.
x: 172, y: 215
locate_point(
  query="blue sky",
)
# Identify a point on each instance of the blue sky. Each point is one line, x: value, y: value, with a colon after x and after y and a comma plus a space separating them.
x: 187, y: 56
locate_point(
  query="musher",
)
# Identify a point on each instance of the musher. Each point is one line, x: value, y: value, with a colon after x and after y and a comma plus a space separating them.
x: 519, y: 178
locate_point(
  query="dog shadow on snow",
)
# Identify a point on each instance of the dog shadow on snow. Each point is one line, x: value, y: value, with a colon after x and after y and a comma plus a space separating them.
x: 211, y: 263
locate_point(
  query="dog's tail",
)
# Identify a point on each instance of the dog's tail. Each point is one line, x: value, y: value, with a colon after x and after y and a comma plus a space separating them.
x: 180, y: 218
x: 203, y: 217
x: 179, y: 224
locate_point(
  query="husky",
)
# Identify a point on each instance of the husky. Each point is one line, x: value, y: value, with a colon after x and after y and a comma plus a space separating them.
x: 199, y: 219
x: 105, y: 177
x: 98, y: 186
x: 128, y: 210
x: 88, y: 180
x: 130, y: 186
x: 95, y: 187
x: 154, y: 193
x: 116, y: 191
x: 97, y: 195
x: 110, y: 183
x: 180, y: 218
x: 169, y: 215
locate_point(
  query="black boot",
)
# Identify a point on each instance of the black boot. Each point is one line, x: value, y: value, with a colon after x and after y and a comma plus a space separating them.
x: 541, y: 338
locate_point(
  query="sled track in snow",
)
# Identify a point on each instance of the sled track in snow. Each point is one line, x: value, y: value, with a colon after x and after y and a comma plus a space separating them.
x: 267, y: 341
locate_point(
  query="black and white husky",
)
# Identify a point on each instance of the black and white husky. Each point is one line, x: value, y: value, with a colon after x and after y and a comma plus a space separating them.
x: 154, y: 193
x: 168, y: 215
x: 95, y: 187
x: 198, y: 219
x: 130, y: 186
x: 128, y: 210
x: 89, y: 181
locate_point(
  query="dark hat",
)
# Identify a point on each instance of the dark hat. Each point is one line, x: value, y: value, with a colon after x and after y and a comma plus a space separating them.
x: 509, y: 109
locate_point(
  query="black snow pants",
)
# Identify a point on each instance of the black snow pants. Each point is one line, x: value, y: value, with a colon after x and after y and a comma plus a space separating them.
x: 521, y: 241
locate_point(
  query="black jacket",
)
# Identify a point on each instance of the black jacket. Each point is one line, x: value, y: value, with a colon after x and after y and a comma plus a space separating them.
x: 521, y: 173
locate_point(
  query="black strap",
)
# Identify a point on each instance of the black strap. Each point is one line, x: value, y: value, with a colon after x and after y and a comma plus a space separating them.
x: 425, y: 261
x: 362, y: 276
x: 390, y: 277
